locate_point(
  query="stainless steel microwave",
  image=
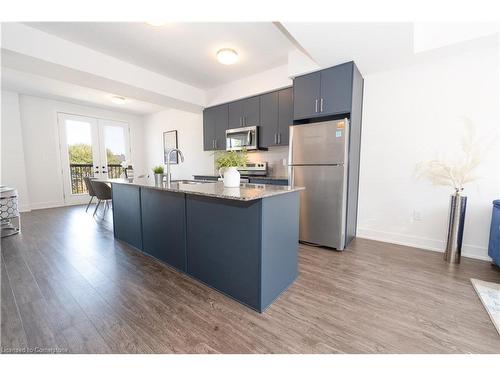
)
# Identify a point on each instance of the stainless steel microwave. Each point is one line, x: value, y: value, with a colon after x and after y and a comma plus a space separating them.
x: 242, y: 138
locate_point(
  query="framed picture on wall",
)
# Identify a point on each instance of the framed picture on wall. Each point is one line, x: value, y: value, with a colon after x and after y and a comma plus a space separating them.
x: 170, y: 142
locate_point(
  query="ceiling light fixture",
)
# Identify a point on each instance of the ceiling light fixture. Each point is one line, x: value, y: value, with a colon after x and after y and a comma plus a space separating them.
x: 156, y: 23
x: 118, y: 99
x: 227, y: 56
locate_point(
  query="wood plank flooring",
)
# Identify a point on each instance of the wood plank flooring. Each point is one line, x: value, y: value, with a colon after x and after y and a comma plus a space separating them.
x: 68, y: 286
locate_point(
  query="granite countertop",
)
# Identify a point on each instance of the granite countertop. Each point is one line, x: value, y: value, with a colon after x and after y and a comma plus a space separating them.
x: 246, y: 192
x: 252, y: 177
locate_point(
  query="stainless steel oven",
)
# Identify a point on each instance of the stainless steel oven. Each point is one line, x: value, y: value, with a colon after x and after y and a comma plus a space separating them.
x: 242, y: 138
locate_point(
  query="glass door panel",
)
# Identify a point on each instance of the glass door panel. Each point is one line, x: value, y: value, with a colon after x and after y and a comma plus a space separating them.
x: 115, y: 147
x: 90, y: 147
x: 79, y: 154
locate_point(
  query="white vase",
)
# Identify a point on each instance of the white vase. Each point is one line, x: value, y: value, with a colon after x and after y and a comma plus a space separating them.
x: 231, y: 177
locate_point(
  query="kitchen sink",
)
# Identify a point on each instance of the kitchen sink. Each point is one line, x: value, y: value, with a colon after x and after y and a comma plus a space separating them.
x: 193, y: 182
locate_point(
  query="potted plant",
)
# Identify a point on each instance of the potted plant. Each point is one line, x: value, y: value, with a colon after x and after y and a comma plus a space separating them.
x: 158, y: 171
x: 227, y: 164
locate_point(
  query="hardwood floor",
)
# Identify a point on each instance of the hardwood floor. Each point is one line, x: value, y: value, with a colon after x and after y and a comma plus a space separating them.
x: 68, y: 286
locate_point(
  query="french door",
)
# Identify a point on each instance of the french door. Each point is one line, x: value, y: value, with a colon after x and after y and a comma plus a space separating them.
x: 90, y: 147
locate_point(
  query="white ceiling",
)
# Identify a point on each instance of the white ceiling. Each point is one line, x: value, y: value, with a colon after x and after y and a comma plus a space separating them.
x: 382, y: 46
x: 31, y: 84
x: 184, y: 51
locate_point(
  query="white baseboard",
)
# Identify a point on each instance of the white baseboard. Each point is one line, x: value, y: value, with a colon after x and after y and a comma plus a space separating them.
x: 52, y: 204
x: 469, y: 251
x: 25, y: 208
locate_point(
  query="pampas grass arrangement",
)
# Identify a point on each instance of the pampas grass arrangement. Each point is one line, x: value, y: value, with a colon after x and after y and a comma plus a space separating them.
x: 460, y: 170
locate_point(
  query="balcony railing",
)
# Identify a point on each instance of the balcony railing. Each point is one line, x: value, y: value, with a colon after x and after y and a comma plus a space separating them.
x: 79, y: 171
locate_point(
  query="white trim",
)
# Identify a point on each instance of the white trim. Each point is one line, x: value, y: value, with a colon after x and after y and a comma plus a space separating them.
x: 468, y: 251
x: 53, y: 204
x: 25, y: 208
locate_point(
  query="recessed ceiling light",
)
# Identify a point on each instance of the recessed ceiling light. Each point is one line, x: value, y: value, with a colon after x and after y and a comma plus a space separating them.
x: 156, y: 23
x: 118, y: 99
x: 227, y: 56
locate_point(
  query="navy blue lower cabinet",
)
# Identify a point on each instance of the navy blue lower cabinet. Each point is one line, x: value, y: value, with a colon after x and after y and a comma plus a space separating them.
x: 223, y: 246
x: 247, y: 250
x: 280, y: 239
x: 164, y: 226
x: 127, y: 214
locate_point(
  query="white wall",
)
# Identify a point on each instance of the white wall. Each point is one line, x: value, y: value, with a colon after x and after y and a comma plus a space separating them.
x: 12, y: 167
x: 189, y: 128
x: 40, y: 141
x: 414, y: 114
x: 268, y: 80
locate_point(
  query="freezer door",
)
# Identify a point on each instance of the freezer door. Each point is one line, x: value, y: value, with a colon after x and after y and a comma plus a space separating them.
x: 319, y: 143
x: 322, y: 204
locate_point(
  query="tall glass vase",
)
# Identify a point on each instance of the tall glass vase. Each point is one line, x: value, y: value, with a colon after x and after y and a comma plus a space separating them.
x: 456, y: 220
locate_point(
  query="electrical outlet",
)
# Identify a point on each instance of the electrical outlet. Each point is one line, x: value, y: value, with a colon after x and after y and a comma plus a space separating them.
x: 417, y: 215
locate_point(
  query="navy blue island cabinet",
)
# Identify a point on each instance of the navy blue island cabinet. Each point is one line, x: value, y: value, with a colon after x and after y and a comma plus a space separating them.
x: 246, y: 249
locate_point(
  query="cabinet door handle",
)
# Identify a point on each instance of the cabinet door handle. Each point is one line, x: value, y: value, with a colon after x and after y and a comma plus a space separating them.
x: 244, y: 120
x: 321, y: 105
x: 279, y: 138
x: 276, y: 138
x: 215, y: 144
x: 241, y: 121
x: 316, y: 106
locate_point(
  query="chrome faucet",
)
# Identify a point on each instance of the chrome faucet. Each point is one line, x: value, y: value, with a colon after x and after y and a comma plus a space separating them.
x: 179, y: 153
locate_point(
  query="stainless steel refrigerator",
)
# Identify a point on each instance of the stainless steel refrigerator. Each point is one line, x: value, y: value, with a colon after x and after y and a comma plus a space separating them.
x: 320, y: 161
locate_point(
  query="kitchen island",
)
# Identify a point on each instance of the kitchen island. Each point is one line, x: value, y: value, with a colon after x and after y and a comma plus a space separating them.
x: 241, y: 241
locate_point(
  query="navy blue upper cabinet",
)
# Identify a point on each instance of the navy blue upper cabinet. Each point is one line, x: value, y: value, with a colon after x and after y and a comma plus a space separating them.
x: 245, y: 112
x: 268, y: 131
x: 285, y: 115
x: 208, y: 129
x: 272, y: 112
x: 275, y: 117
x: 323, y: 93
x: 336, y: 90
x: 306, y: 92
x: 215, y: 123
x: 221, y: 113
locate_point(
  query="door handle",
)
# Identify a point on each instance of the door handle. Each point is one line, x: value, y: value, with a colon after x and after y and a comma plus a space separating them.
x: 279, y: 138
x: 241, y: 121
x: 276, y: 138
x: 215, y: 143
x: 316, y: 106
x: 321, y: 105
x: 249, y: 138
x: 244, y: 120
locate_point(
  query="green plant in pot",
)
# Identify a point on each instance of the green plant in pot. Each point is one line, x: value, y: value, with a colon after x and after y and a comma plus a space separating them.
x: 158, y: 171
x: 227, y: 164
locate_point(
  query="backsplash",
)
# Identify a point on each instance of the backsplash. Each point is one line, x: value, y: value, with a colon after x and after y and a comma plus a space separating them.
x: 274, y: 158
